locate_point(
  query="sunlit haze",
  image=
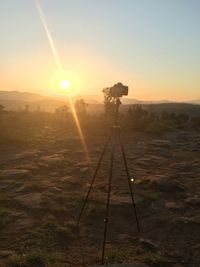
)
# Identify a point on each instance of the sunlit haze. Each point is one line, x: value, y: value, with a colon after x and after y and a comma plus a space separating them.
x: 150, y: 45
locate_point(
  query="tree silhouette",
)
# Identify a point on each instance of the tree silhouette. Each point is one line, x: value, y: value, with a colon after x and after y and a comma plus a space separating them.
x: 81, y: 107
x: 62, y: 110
x: 109, y: 104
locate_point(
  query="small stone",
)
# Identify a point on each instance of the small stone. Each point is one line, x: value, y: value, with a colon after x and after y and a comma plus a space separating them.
x: 52, y: 159
x: 70, y: 179
x: 55, y: 190
x: 81, y: 164
x: 43, y: 165
x: 20, y: 189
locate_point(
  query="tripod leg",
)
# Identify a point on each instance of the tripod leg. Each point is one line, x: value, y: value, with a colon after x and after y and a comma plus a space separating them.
x: 108, y: 200
x: 93, y: 177
x: 129, y: 180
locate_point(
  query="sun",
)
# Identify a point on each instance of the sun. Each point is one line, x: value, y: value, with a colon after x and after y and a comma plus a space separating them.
x: 64, y: 84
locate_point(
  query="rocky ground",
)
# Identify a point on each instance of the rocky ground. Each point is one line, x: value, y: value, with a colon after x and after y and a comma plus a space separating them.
x: 43, y: 187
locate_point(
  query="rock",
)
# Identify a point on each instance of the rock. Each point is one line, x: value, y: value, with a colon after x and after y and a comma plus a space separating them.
x: 65, y: 151
x: 55, y: 190
x: 29, y: 166
x: 20, y: 189
x: 194, y: 201
x: 42, y: 165
x: 15, y: 174
x: 70, y: 180
x: 166, y: 184
x: 52, y: 159
x: 148, y: 244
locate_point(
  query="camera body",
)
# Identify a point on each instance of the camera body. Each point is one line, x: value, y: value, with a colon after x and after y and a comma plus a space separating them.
x: 118, y: 90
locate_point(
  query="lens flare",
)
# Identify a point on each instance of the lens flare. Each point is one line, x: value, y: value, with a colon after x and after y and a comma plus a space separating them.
x: 63, y: 84
x: 79, y: 129
x: 50, y: 39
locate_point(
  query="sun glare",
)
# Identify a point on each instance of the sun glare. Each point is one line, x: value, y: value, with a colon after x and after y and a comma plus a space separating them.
x: 65, y: 84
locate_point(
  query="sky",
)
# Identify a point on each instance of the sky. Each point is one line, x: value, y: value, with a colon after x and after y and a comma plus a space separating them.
x: 153, y: 46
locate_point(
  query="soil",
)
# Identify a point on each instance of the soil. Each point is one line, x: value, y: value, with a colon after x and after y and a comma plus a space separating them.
x: 43, y: 187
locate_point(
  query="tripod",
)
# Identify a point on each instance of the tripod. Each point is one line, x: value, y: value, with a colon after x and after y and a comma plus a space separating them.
x: 115, y: 134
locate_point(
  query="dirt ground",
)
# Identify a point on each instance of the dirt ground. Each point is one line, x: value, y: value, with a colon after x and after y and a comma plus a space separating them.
x: 43, y: 187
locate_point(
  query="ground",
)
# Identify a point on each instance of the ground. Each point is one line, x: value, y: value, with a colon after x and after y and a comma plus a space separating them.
x: 43, y: 187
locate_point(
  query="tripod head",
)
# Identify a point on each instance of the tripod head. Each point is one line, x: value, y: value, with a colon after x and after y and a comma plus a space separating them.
x: 113, y: 95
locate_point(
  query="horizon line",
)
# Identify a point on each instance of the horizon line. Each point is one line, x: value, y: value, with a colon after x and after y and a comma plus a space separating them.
x: 101, y: 95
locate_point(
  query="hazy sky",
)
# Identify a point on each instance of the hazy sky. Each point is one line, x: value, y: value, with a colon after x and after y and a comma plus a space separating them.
x: 151, y: 45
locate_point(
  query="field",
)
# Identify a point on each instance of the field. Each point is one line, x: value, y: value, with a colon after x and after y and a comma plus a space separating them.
x: 45, y: 175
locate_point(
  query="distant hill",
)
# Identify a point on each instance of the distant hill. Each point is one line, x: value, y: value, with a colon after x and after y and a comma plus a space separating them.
x: 21, y: 96
x: 15, y: 100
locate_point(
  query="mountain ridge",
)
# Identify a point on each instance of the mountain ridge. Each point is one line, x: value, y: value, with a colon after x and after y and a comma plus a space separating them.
x: 15, y: 100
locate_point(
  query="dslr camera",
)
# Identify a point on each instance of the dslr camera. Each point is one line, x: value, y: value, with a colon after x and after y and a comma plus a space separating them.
x: 118, y: 90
